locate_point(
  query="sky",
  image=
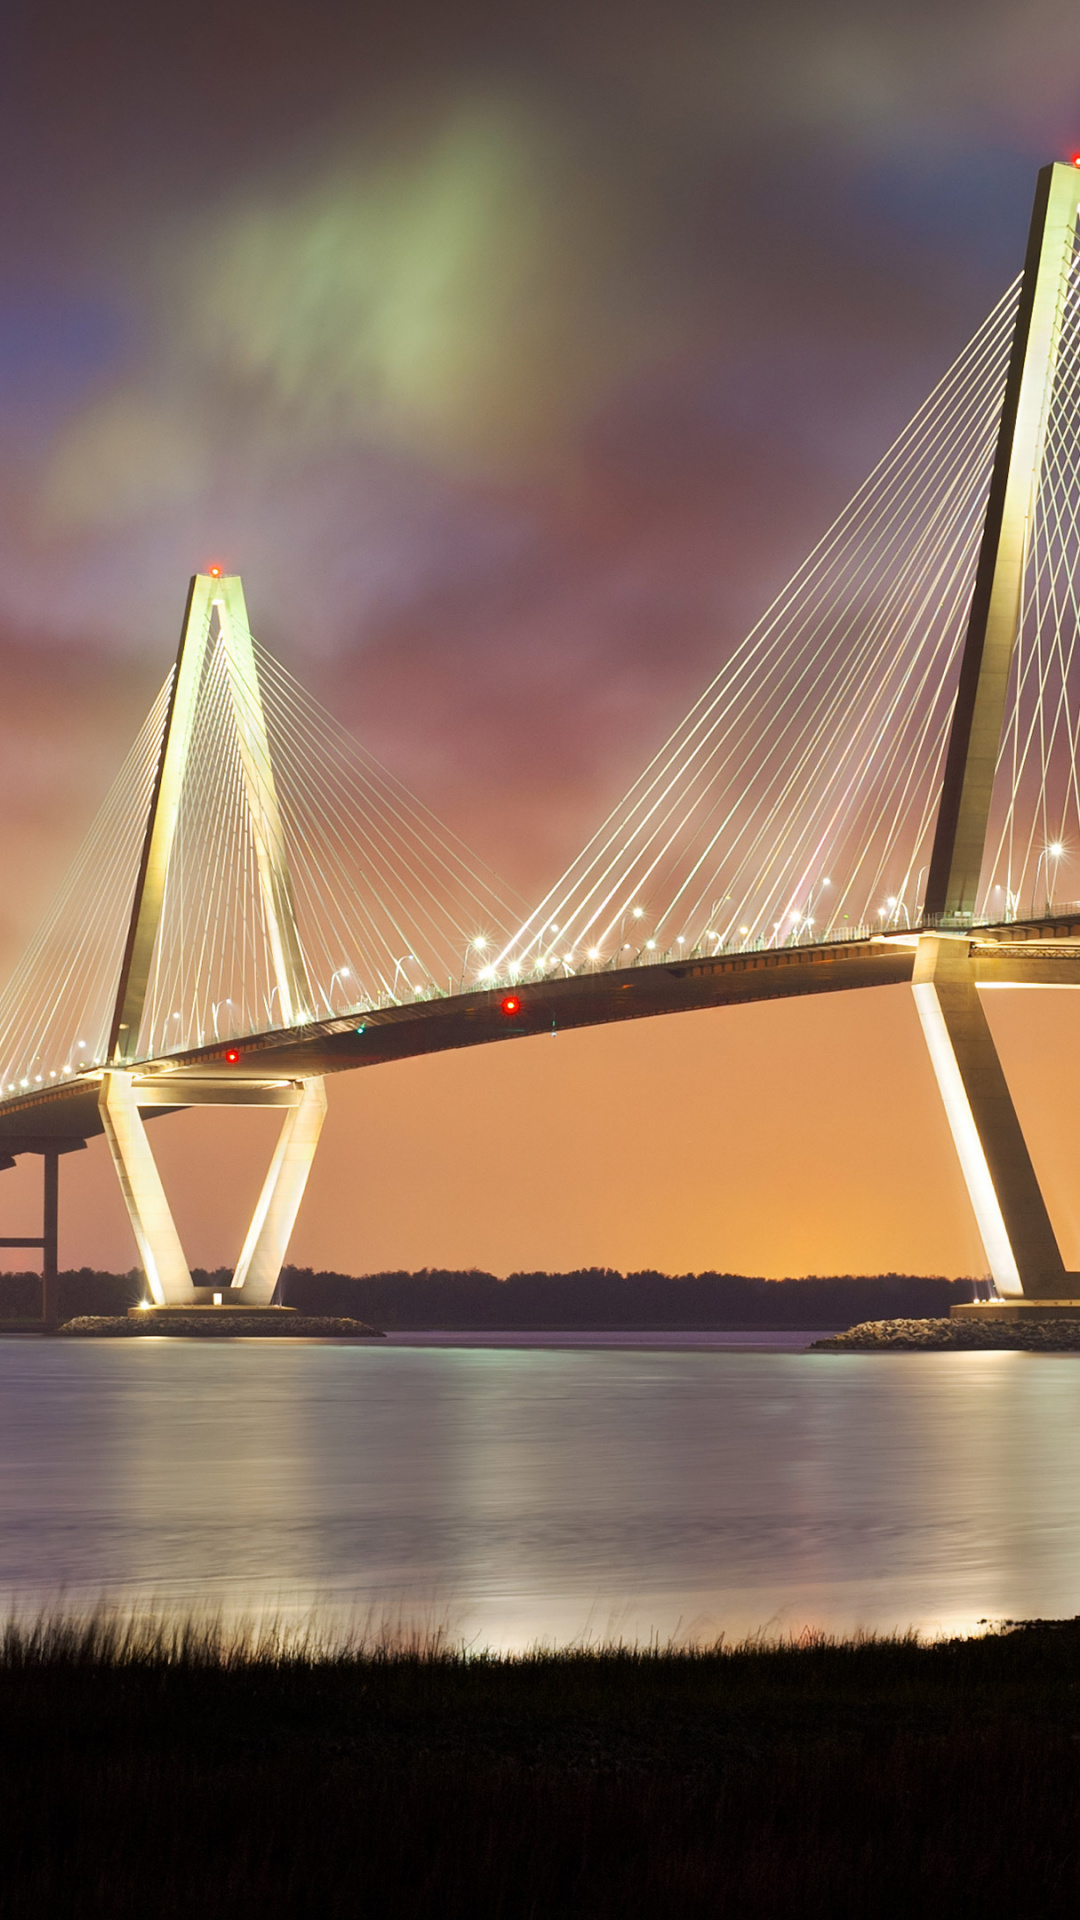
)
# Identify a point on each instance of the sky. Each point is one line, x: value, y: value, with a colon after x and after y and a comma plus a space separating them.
x: 514, y: 355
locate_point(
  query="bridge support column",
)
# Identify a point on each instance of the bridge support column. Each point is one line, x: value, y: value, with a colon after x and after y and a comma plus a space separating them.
x: 267, y: 1241
x: 1021, y: 1249
x: 50, y: 1225
x: 272, y: 1222
x: 152, y: 1223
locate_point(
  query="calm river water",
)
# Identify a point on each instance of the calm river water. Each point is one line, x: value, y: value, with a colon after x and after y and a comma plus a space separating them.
x: 515, y: 1492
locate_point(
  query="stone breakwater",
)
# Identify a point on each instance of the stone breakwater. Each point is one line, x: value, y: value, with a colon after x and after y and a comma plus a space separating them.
x: 245, y: 1325
x: 937, y: 1336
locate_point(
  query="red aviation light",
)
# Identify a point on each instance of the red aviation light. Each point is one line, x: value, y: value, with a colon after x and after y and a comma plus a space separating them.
x: 1075, y: 159
x: 215, y: 573
x: 511, y: 1004
x: 232, y: 1056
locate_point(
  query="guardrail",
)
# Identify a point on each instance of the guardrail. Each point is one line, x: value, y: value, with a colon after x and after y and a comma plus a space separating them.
x: 707, y: 948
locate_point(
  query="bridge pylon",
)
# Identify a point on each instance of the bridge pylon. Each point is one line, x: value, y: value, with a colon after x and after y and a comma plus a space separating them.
x: 1018, y: 1237
x: 215, y: 612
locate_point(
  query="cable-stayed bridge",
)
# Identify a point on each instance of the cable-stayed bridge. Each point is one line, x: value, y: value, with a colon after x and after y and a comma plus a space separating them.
x: 880, y: 786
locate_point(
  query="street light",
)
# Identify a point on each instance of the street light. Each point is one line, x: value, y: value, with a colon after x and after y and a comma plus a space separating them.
x: 1052, y: 852
x: 475, y: 945
x: 398, y: 964
x: 631, y: 913
x: 919, y: 902
x: 339, y: 973
x: 812, y: 899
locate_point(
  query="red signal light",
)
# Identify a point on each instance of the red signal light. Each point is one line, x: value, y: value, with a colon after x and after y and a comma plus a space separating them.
x: 215, y: 573
x: 1076, y: 159
x: 511, y: 1003
x: 232, y: 1056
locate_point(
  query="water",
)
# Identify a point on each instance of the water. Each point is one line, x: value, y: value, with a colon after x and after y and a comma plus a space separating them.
x: 576, y: 1486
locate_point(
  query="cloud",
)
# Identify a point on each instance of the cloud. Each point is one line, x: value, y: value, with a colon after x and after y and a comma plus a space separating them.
x: 460, y: 295
x: 126, y: 455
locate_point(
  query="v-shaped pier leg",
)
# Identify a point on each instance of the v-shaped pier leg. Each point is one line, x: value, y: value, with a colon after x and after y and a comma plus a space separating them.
x: 272, y: 1222
x: 151, y: 1218
x: 156, y: 1237
x: 1021, y: 1248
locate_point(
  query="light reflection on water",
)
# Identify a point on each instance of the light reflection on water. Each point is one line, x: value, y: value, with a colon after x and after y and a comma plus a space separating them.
x: 515, y: 1493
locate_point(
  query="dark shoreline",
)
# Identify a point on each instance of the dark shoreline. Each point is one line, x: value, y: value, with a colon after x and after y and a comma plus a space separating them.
x: 589, y: 1299
x: 217, y: 1323
x: 172, y: 1774
x: 954, y: 1336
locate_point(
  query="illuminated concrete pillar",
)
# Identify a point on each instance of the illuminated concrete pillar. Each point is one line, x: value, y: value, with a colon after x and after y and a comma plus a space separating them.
x: 267, y: 1240
x: 161, y: 822
x: 268, y: 1236
x: 1021, y: 1249
x: 125, y: 1091
x: 993, y: 623
x: 210, y: 594
x: 152, y: 1223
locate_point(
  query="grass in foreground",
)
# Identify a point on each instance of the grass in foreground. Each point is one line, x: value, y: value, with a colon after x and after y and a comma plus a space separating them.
x: 166, y: 1773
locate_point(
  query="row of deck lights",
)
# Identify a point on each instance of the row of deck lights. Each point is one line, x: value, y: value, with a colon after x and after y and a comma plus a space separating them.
x: 41, y: 1079
x: 480, y: 944
x: 565, y: 959
x: 515, y: 968
x: 1054, y: 851
x: 796, y: 920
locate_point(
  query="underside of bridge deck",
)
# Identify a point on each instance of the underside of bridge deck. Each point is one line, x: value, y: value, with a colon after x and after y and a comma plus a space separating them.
x: 244, y: 1071
x: 249, y: 1072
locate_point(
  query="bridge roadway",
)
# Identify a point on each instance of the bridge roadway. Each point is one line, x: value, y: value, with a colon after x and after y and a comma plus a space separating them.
x: 1043, y: 953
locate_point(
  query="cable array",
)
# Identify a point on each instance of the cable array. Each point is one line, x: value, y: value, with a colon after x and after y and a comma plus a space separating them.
x: 211, y: 975
x: 379, y: 881
x: 385, y: 903
x: 56, y: 1010
x: 797, y: 798
x: 389, y: 905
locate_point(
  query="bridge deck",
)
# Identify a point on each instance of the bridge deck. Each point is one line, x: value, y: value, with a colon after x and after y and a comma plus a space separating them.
x: 1033, y: 953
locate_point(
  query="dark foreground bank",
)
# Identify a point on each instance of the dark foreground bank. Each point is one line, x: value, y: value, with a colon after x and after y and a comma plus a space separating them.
x: 881, y: 1779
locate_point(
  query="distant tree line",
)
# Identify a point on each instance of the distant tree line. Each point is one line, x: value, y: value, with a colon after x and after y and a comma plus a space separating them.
x: 81, y: 1290
x: 597, y: 1297
x: 593, y: 1297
